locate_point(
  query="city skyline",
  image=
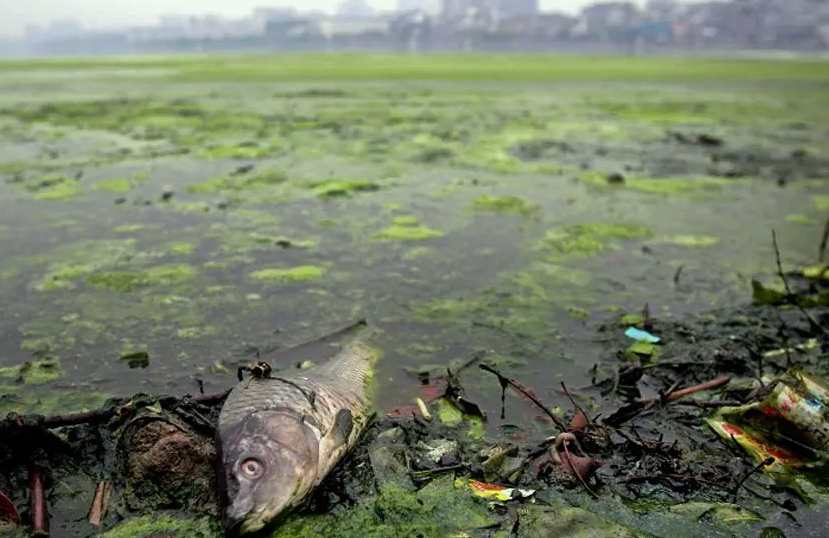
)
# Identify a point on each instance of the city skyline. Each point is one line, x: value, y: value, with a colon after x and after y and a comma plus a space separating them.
x: 109, y: 14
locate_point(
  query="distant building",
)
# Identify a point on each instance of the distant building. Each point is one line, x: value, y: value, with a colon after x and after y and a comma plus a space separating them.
x: 355, y: 9
x: 507, y: 9
x: 425, y: 6
x: 453, y: 10
x: 610, y: 21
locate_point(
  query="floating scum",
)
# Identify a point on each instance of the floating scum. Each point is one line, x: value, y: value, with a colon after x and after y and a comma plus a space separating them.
x: 466, y: 203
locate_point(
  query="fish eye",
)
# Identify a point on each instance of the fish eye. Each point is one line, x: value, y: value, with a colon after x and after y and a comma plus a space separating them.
x: 252, y: 468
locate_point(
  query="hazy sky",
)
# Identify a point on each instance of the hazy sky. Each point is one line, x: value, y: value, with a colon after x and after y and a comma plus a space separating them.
x: 16, y: 14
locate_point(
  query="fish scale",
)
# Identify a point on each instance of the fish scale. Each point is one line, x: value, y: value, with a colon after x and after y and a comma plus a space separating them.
x: 338, y: 384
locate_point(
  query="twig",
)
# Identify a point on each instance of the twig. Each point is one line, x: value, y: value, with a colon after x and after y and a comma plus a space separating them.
x: 765, y: 463
x: 520, y: 388
x: 37, y: 497
x: 678, y: 275
x: 90, y: 417
x: 100, y: 503
x: 713, y: 384
x: 576, y: 406
x: 713, y: 404
x: 789, y: 295
x: 576, y: 472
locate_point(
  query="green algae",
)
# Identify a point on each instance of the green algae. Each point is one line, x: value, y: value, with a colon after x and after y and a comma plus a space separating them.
x: 128, y: 228
x: 578, y: 313
x: 115, y: 185
x: 451, y: 416
x: 81, y: 259
x: 504, y: 204
x: 570, y: 521
x: 582, y: 240
x: 165, y: 525
x: 396, y: 232
x: 663, y: 185
x: 436, y: 511
x: 632, y: 320
x: 51, y: 402
x: 797, y: 218
x: 343, y: 188
x: 191, y: 333
x: 692, y: 240
x: 53, y: 187
x: 254, y: 181
x: 724, y: 514
x: 821, y: 202
x: 63, y: 277
x: 643, y: 349
x: 35, y: 372
x: 126, y: 281
x: 180, y: 248
x: 406, y: 220
x: 302, y: 273
x: 120, y: 281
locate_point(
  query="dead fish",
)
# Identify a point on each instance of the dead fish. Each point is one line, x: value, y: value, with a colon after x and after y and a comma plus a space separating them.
x: 280, y: 436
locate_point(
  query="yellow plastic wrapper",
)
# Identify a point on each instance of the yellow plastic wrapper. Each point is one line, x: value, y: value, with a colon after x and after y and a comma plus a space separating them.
x: 494, y: 492
x: 790, y: 425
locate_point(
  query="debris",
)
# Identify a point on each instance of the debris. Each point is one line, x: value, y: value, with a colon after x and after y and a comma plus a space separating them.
x: 788, y: 426
x: 764, y: 295
x: 615, y: 178
x: 806, y: 346
x: 642, y: 336
x: 455, y: 394
x: 642, y: 349
x: 494, y: 492
x: 421, y: 405
x: 527, y: 393
x: 37, y: 497
x: 8, y: 512
x: 136, y: 359
x: 702, y: 139
x: 100, y: 503
x: 440, y: 451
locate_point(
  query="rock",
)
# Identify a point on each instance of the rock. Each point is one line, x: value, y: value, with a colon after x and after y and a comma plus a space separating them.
x: 438, y: 451
x: 615, y: 178
x: 494, y: 459
x: 542, y: 522
x: 388, y: 459
x: 389, y: 467
x: 168, y: 464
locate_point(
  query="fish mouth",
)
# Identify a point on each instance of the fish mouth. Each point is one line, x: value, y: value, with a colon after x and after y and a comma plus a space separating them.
x: 238, y: 521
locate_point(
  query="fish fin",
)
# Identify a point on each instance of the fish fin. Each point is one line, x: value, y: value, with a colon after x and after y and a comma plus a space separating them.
x: 343, y: 425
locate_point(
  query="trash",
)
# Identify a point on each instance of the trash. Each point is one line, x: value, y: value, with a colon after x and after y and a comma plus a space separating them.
x: 421, y: 405
x: 8, y: 512
x: 494, y: 492
x: 765, y: 295
x: 38, y: 509
x: 642, y: 349
x: 789, y: 425
x: 439, y: 451
x: 100, y: 503
x: 642, y: 336
x: 806, y: 346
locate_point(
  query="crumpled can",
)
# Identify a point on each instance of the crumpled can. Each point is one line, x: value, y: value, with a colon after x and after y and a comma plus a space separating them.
x: 789, y: 425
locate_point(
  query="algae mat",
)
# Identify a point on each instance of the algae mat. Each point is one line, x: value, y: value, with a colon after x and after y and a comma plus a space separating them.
x: 162, y: 219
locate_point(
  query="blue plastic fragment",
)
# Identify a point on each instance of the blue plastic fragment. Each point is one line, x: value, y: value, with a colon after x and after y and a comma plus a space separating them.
x: 642, y: 336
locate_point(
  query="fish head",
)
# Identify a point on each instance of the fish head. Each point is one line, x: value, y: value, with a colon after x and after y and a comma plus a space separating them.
x: 269, y: 463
